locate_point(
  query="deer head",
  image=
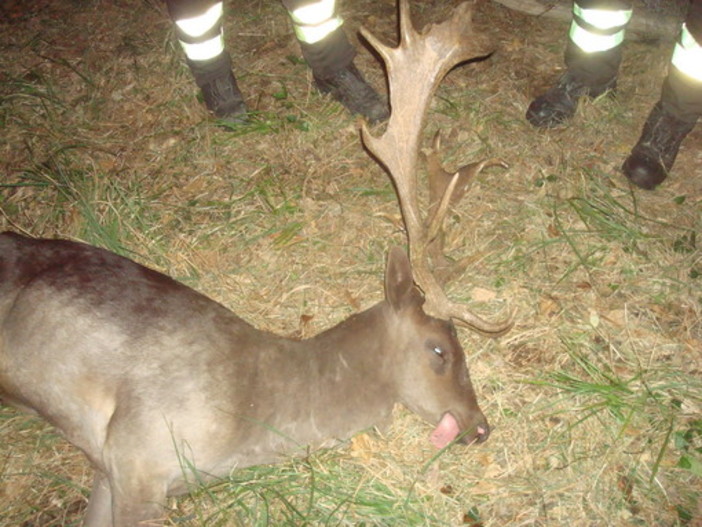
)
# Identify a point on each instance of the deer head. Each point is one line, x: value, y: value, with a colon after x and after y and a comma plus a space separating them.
x: 415, y: 68
x: 430, y: 374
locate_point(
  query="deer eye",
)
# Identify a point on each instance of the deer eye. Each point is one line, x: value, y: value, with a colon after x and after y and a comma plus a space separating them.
x: 440, y: 354
x: 439, y: 361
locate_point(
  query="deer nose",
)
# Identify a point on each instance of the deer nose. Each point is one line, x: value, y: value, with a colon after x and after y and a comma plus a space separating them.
x: 480, y: 435
x: 482, y: 432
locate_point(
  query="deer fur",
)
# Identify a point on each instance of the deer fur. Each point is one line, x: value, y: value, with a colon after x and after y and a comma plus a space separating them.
x: 146, y: 375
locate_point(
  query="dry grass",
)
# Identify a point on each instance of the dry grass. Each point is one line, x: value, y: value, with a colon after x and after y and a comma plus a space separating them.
x: 595, y: 396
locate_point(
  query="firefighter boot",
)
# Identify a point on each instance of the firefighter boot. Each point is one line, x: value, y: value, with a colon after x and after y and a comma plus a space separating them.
x: 350, y: 88
x: 223, y: 98
x: 558, y: 104
x: 592, y: 57
x: 653, y: 156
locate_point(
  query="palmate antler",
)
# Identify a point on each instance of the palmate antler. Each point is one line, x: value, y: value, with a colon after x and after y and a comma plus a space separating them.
x: 415, y: 68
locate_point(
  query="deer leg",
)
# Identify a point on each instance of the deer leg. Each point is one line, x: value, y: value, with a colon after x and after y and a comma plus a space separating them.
x: 137, y: 475
x: 138, y: 499
x: 132, y: 503
x: 99, y: 511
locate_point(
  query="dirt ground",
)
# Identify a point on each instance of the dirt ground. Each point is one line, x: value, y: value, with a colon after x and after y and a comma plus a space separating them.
x: 595, y: 395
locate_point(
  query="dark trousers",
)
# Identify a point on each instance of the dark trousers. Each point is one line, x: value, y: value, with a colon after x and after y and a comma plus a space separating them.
x: 325, y: 58
x: 680, y: 95
x: 693, y: 20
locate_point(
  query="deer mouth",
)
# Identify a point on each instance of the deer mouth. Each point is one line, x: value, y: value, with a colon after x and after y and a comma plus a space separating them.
x: 448, y: 430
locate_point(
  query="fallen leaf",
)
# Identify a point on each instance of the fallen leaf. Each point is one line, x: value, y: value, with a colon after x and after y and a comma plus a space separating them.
x: 480, y: 294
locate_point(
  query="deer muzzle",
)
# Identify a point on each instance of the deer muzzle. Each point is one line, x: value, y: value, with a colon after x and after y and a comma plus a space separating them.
x: 449, y: 430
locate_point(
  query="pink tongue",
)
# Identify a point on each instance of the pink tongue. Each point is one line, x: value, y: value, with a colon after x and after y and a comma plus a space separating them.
x: 446, y: 431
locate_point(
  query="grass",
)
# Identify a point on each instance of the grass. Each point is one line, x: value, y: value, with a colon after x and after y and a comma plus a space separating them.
x: 594, y: 397
x: 321, y: 490
x: 655, y: 400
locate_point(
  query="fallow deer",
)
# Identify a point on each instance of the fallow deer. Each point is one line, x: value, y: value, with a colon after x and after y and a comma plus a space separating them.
x: 141, y: 372
x: 147, y: 376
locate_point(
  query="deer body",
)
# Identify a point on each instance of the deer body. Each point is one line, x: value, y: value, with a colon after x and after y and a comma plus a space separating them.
x: 152, y: 380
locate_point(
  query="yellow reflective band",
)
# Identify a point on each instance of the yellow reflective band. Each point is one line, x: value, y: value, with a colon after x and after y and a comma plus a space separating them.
x: 204, y: 50
x: 312, y: 34
x: 687, y: 56
x: 592, y: 42
x: 201, y: 24
x: 313, y: 14
x: 603, y: 18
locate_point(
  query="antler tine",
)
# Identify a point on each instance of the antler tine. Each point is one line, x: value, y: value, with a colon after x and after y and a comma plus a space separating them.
x: 452, y: 192
x: 436, y: 219
x: 383, y: 50
x: 439, y: 304
x: 490, y: 329
x: 407, y: 30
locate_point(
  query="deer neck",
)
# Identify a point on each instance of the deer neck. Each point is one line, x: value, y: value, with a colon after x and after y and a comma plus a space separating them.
x: 335, y: 384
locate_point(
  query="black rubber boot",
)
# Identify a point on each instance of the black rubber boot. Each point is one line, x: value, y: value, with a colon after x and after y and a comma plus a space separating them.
x: 558, y: 104
x: 653, y: 156
x: 219, y: 88
x: 350, y: 88
x: 223, y: 98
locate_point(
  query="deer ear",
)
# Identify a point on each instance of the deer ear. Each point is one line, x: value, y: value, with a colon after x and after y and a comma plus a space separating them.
x: 400, y: 290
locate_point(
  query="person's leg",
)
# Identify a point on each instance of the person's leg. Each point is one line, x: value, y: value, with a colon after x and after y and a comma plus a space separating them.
x: 676, y: 113
x: 329, y: 54
x: 198, y: 25
x: 592, y: 57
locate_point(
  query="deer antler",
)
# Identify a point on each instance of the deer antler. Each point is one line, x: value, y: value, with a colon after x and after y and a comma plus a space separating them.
x: 415, y: 68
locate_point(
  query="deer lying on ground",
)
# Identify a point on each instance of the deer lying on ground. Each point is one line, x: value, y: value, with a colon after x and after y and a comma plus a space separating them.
x: 147, y: 376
